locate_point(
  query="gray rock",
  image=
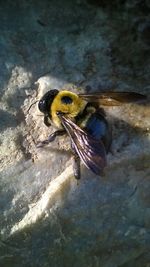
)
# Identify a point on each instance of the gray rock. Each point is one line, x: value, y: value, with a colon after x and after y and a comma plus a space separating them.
x: 46, y: 218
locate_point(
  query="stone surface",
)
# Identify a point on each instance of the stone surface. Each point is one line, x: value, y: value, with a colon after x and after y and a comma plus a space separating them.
x: 46, y: 218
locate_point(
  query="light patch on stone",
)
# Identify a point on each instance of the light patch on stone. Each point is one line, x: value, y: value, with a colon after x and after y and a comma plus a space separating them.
x: 37, y: 210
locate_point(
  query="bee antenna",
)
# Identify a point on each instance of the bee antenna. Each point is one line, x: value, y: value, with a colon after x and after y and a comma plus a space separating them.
x: 32, y: 105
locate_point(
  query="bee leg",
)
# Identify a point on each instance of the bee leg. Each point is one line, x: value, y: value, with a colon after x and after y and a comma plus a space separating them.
x: 76, y: 163
x: 51, y: 138
x: 76, y: 167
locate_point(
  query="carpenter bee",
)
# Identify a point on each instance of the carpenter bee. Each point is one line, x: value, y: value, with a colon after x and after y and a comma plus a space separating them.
x: 82, y: 118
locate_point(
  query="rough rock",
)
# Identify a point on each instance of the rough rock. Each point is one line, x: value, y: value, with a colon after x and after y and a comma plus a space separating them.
x: 46, y: 218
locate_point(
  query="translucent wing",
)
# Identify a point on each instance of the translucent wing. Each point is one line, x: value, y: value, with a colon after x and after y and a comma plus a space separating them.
x: 114, y: 98
x: 91, y: 151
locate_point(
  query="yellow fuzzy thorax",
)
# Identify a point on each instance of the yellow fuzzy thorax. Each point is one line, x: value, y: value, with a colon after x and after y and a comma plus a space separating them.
x: 71, y: 109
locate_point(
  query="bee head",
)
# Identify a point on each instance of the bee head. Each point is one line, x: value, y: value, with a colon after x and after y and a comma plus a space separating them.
x: 55, y: 101
x: 45, y: 102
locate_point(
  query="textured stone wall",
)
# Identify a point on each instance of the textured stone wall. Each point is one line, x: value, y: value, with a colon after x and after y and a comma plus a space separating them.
x: 46, y: 219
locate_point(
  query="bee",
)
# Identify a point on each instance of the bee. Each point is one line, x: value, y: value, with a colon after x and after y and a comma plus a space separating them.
x: 82, y: 118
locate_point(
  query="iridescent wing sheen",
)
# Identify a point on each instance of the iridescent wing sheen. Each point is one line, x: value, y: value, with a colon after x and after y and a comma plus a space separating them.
x: 114, y: 98
x: 91, y: 151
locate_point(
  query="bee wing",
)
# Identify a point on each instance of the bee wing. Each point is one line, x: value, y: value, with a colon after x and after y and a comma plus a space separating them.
x: 114, y: 98
x: 91, y: 151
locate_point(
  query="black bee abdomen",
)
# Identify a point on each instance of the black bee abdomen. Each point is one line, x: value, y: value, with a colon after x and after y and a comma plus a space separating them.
x: 98, y: 127
x: 66, y: 100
